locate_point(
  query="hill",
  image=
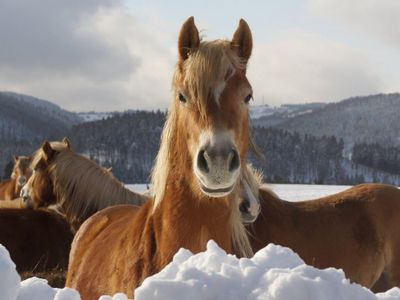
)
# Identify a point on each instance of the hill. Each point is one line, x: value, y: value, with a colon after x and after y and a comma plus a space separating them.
x: 26, y: 121
x: 24, y: 117
x: 270, y: 116
x: 306, y: 144
x: 370, y: 119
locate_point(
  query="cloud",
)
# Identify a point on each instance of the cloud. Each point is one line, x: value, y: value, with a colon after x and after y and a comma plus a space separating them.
x: 84, y: 55
x: 303, y: 67
x: 376, y: 18
x: 99, y: 55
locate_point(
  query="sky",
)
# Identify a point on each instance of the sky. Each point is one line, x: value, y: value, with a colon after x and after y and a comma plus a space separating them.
x: 108, y: 55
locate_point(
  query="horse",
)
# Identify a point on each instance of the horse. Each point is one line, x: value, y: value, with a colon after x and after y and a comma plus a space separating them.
x: 37, y: 240
x: 356, y: 230
x: 195, y: 179
x: 10, y: 188
x: 73, y: 183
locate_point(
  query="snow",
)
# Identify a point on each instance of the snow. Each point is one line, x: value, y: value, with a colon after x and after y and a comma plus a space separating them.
x: 94, y: 116
x: 9, y: 278
x: 273, y: 273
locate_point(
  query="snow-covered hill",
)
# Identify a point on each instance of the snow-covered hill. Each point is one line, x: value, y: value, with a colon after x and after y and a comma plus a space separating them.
x: 268, y: 116
x: 47, y: 107
x: 91, y: 116
x: 370, y: 119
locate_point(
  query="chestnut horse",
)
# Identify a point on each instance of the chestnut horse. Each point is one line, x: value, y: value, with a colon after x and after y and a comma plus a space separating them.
x: 356, y: 230
x: 37, y: 240
x: 77, y: 185
x: 196, y: 176
x: 10, y: 188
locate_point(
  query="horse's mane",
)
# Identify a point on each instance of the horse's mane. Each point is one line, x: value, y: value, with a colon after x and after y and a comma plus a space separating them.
x: 82, y: 186
x: 211, y: 64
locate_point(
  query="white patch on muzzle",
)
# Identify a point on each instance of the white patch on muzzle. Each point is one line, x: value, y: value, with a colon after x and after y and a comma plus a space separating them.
x: 219, y: 180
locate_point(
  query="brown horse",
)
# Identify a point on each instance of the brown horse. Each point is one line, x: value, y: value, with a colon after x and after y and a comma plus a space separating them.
x: 196, y: 177
x: 37, y: 240
x: 11, y: 188
x: 74, y: 183
x: 356, y: 230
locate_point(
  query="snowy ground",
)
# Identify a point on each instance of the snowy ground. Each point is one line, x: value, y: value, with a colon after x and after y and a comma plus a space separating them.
x: 274, y: 273
x: 289, y: 192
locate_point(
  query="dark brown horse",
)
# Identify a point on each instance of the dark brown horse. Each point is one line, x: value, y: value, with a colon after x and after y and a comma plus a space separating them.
x: 77, y: 185
x: 11, y: 188
x: 356, y: 230
x: 196, y: 178
x: 37, y: 240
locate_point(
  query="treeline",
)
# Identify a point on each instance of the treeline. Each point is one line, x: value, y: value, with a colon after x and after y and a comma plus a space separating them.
x: 289, y: 157
x: 377, y: 157
x: 128, y: 142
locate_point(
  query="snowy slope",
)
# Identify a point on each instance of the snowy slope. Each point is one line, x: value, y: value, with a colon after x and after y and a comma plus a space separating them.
x: 94, y: 116
x: 267, y: 116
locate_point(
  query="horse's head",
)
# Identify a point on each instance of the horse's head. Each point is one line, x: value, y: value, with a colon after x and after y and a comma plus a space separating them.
x: 210, y: 108
x: 38, y: 191
x: 21, y: 171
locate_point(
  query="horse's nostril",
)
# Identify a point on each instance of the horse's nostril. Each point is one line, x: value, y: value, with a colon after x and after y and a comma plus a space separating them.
x: 202, y: 162
x: 244, y: 207
x: 235, y: 162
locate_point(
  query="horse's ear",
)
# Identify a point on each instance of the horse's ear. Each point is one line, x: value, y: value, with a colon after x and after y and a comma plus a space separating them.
x: 188, y: 39
x: 15, y: 157
x: 67, y: 142
x: 48, y: 151
x: 109, y: 170
x: 242, y: 42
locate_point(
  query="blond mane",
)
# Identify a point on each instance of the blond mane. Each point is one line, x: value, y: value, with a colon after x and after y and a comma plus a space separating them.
x: 82, y: 186
x: 211, y: 64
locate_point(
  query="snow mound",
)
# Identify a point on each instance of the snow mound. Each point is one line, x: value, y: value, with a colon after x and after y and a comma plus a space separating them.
x: 9, y: 278
x: 274, y: 273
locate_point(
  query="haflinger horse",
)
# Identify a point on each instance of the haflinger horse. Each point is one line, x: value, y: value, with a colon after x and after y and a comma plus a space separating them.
x: 74, y: 184
x: 356, y: 230
x: 11, y: 188
x: 196, y: 177
x: 37, y: 240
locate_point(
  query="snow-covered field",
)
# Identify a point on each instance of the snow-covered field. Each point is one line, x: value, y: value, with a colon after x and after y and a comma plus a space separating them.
x: 289, y: 192
x: 274, y: 273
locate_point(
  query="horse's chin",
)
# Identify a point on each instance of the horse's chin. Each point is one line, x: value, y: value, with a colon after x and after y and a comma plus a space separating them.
x: 217, y: 192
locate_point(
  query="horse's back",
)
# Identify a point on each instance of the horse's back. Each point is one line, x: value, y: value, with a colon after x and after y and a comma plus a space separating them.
x: 354, y: 230
x: 108, y: 233
x: 37, y: 240
x: 6, y: 189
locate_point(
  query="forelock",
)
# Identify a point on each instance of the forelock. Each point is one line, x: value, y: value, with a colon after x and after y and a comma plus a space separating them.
x: 206, y: 70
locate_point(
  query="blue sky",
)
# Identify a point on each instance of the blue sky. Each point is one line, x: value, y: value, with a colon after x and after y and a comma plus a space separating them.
x: 114, y: 55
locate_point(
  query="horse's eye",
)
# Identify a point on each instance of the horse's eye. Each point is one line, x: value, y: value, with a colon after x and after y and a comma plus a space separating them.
x: 248, y: 98
x: 182, y: 98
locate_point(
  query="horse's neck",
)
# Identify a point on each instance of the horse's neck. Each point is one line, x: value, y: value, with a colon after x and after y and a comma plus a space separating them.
x: 185, y: 221
x: 77, y: 212
x: 8, y: 189
x: 273, y: 221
